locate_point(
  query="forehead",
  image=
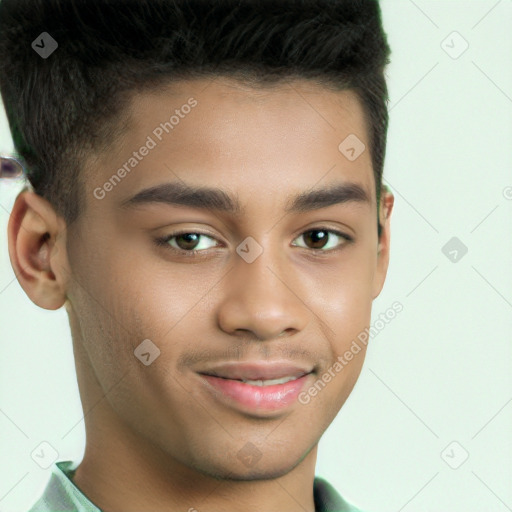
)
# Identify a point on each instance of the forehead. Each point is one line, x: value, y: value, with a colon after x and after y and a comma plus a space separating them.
x: 238, y: 137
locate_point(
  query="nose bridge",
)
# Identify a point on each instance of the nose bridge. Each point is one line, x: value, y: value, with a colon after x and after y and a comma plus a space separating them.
x: 260, y: 274
x: 261, y: 296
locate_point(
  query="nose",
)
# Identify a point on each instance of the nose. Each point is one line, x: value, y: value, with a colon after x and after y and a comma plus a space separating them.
x: 264, y: 298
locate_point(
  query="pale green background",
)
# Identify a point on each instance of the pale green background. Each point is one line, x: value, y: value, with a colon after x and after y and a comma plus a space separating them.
x: 440, y: 372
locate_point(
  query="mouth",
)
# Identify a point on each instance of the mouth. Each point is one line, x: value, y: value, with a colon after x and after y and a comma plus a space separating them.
x: 259, y: 382
x: 256, y: 387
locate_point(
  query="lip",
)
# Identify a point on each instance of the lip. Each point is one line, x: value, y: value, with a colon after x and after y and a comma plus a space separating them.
x: 225, y: 384
x: 257, y: 370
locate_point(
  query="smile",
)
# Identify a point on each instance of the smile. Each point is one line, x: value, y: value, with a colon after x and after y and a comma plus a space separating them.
x: 256, y: 395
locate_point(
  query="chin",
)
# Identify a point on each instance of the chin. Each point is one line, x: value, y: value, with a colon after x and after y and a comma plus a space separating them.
x: 253, y: 474
x: 278, y: 466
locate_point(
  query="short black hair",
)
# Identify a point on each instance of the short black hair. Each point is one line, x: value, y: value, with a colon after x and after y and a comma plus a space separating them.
x: 65, y: 106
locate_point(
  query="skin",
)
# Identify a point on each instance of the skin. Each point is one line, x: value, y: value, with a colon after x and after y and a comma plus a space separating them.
x: 156, y: 439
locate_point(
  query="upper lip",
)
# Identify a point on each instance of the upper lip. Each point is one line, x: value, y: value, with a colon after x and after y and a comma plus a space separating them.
x: 262, y: 370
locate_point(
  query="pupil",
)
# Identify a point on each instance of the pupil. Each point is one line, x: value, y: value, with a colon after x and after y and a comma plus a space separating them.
x: 317, y: 241
x: 187, y: 236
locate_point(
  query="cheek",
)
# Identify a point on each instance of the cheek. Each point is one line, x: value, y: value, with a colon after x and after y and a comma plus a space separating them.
x: 344, y: 287
x: 344, y: 304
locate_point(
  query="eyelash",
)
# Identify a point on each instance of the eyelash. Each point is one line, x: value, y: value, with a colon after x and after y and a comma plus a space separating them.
x: 163, y: 242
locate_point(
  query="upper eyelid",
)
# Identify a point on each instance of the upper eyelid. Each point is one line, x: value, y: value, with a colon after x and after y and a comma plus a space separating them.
x: 192, y: 231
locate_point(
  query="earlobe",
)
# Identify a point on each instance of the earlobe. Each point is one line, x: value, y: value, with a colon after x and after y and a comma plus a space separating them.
x: 33, y: 232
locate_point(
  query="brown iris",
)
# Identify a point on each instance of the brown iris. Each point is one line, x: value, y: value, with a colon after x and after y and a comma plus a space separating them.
x: 318, y: 239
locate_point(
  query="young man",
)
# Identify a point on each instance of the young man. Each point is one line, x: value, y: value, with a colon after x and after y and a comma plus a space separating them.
x: 205, y: 199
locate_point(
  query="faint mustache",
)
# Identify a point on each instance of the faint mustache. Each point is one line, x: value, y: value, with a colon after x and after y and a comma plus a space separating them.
x: 243, y: 353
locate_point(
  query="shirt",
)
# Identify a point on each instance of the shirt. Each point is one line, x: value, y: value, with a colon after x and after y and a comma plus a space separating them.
x: 62, y: 495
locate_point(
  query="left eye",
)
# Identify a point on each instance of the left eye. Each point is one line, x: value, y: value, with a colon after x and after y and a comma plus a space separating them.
x: 318, y: 237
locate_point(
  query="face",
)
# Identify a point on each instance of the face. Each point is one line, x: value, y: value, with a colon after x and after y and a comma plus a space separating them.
x: 175, y: 298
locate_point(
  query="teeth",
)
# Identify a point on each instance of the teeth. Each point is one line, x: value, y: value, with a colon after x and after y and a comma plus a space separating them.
x: 268, y: 382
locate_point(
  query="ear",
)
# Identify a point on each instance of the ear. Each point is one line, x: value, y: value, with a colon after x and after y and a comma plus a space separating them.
x: 386, y: 207
x: 37, y: 250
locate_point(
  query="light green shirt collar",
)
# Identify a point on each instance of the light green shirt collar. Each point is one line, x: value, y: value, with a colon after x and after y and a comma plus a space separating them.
x: 62, y: 495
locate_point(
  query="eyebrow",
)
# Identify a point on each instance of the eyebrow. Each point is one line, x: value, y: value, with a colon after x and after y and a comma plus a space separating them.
x: 207, y: 198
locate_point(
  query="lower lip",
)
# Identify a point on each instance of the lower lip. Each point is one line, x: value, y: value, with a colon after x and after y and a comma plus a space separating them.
x: 268, y: 398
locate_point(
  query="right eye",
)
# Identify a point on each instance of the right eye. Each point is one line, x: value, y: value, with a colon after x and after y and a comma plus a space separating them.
x: 186, y: 241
